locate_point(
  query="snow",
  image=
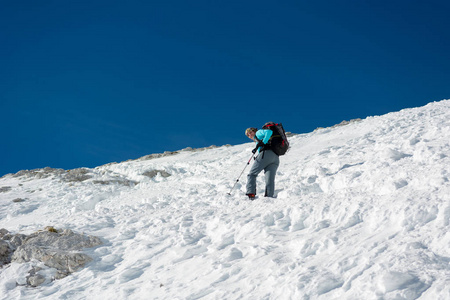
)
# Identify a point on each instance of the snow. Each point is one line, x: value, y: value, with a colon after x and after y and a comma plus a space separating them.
x: 362, y: 212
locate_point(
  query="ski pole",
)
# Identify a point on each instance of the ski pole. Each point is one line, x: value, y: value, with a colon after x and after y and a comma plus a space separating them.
x: 237, y: 180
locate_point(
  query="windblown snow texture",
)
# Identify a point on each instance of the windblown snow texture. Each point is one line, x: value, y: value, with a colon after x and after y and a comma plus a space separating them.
x: 362, y: 212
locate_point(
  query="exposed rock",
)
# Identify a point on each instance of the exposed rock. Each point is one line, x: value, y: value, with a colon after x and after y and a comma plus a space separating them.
x: 5, y: 253
x: 158, y: 155
x: 16, y: 240
x: 55, y: 249
x: 76, y: 175
x: 3, y: 232
x: 61, y: 260
x: 290, y: 134
x: 124, y: 182
x: 35, y: 279
x: 39, y: 173
x: 154, y: 173
x: 18, y: 200
x: 51, y: 229
x: 5, y: 189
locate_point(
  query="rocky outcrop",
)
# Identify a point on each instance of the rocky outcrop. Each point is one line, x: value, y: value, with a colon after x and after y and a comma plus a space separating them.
x: 5, y: 253
x: 56, y: 249
x: 154, y: 173
x: 5, y: 189
x: 38, y: 173
x: 77, y: 175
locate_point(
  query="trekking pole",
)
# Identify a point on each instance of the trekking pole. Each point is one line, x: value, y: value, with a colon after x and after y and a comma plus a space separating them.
x: 253, y: 154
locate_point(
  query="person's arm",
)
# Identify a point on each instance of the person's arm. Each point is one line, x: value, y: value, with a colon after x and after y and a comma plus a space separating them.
x: 264, y: 135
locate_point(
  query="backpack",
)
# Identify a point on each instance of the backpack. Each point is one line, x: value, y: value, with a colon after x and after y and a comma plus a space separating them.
x: 278, y: 142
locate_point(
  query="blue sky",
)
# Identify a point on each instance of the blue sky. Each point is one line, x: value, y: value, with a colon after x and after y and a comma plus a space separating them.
x: 85, y: 83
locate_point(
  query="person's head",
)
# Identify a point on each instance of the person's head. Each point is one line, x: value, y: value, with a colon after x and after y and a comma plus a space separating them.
x: 250, y: 132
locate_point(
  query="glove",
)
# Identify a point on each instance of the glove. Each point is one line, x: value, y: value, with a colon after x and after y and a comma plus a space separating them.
x: 260, y: 144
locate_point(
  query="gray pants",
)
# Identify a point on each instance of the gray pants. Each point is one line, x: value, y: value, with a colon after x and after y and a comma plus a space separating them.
x: 269, y: 162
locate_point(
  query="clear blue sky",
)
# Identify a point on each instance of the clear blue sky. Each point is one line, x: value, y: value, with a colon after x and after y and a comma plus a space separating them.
x: 84, y: 83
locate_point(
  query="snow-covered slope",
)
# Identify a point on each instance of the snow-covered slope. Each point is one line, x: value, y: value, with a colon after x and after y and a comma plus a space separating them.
x: 362, y: 212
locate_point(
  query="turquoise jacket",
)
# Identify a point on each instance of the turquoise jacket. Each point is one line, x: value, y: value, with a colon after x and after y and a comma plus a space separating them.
x: 263, y: 135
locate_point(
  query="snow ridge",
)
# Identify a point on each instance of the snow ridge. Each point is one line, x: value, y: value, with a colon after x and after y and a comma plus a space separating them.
x: 362, y: 212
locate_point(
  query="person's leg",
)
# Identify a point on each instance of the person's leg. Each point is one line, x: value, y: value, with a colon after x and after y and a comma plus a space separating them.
x: 257, y: 167
x: 270, y: 171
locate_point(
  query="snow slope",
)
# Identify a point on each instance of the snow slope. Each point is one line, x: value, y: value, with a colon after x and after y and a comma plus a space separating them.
x: 362, y: 212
